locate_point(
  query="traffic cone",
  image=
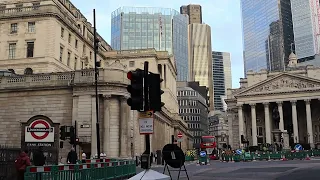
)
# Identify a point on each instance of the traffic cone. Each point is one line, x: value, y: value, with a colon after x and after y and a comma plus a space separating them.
x: 307, y: 158
x: 208, y: 161
x: 283, y: 158
x: 198, y: 162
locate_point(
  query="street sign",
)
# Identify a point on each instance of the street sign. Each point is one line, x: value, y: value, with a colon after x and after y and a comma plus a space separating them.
x: 203, y: 154
x: 180, y: 135
x: 39, y: 131
x: 298, y: 147
x: 173, y: 155
x: 179, y: 139
x: 146, y: 122
x: 239, y: 151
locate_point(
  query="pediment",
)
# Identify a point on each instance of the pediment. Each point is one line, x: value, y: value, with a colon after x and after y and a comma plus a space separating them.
x: 282, y: 83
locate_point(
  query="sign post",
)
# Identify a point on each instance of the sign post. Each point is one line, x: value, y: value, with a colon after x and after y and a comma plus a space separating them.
x: 180, y: 138
x: 146, y: 122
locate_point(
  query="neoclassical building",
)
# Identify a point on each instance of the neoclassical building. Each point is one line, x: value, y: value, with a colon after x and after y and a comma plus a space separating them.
x: 41, y: 36
x: 277, y: 107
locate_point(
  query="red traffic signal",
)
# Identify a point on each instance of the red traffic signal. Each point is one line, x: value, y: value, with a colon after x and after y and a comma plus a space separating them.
x: 135, y: 89
x: 129, y: 75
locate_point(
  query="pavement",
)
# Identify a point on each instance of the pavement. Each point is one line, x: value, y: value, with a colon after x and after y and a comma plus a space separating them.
x: 257, y: 170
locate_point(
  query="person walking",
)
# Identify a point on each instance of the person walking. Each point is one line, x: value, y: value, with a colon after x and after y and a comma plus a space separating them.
x: 72, y: 157
x: 21, y: 163
x: 39, y: 160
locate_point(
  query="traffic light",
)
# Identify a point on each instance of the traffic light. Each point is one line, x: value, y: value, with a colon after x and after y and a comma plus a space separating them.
x: 72, y: 135
x: 155, y: 91
x: 136, y: 89
x: 63, y: 132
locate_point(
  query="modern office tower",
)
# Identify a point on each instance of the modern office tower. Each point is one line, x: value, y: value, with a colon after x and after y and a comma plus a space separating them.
x: 221, y: 76
x: 268, y: 34
x: 305, y: 18
x: 193, y: 109
x: 161, y: 28
x: 194, y: 12
x: 200, y: 60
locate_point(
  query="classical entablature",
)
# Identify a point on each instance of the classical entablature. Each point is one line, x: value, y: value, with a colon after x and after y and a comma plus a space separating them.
x: 283, y: 83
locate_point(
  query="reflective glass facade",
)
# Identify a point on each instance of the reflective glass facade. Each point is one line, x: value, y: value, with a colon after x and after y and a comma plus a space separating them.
x: 305, y: 27
x: 161, y: 28
x: 268, y: 34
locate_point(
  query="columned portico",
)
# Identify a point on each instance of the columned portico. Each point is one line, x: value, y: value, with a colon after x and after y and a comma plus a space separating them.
x: 123, y: 127
x: 280, y: 110
x: 254, y: 124
x: 294, y: 121
x: 241, y: 122
x: 309, y: 123
x: 267, y: 122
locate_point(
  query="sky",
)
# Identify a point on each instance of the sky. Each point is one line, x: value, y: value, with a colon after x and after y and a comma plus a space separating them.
x: 224, y: 17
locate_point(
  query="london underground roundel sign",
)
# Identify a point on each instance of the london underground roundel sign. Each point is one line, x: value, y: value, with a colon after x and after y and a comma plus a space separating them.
x: 39, y: 131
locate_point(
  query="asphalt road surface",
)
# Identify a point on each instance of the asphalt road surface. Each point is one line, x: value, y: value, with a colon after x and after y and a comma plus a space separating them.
x: 258, y: 170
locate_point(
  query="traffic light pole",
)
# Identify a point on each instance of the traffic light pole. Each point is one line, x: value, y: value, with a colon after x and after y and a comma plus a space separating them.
x: 96, y: 82
x: 146, y: 102
x: 75, y: 136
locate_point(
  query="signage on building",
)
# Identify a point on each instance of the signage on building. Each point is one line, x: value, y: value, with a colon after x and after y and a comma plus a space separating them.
x: 39, y: 133
x: 146, y: 122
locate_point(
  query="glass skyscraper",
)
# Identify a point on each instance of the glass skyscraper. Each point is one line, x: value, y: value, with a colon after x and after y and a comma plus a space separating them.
x: 268, y: 34
x: 161, y: 28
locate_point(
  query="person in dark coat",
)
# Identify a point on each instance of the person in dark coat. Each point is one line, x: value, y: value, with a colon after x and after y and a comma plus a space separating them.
x: 72, y: 157
x: 38, y: 157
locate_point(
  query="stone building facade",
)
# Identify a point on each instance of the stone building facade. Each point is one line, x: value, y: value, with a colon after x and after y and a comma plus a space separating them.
x: 273, y: 107
x: 43, y: 36
x: 63, y: 98
x: 218, y: 127
x: 160, y: 62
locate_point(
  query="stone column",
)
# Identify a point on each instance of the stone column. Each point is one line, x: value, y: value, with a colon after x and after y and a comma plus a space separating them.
x: 281, y: 124
x: 309, y: 123
x: 254, y: 125
x: 123, y: 127
x: 93, y: 127
x: 267, y: 122
x: 295, y: 122
x: 106, y: 125
x: 241, y: 123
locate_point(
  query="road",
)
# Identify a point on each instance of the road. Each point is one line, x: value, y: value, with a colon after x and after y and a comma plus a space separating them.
x: 258, y: 170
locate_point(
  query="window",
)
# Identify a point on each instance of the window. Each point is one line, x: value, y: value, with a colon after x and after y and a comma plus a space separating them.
x: 62, y: 32
x: 12, y: 50
x: 131, y: 63
x: 31, y: 27
x: 30, y: 49
x: 14, y: 28
x: 84, y: 49
x: 61, y: 53
x: 82, y: 65
x: 19, y: 7
x: 75, y: 63
x: 28, y: 71
x: 69, y: 38
x: 90, y: 55
x: 36, y: 5
x: 68, y: 59
x: 76, y: 44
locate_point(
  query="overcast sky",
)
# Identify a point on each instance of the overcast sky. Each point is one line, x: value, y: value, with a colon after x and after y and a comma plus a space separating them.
x: 223, y: 16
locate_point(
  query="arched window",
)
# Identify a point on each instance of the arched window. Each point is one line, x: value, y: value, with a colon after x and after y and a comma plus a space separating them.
x: 12, y: 71
x: 28, y: 71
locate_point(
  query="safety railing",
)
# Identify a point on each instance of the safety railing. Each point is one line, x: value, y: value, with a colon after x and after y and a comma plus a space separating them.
x: 120, y: 169
x: 284, y: 155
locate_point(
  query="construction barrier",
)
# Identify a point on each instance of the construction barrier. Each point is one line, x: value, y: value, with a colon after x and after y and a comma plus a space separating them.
x: 120, y: 169
x: 267, y: 156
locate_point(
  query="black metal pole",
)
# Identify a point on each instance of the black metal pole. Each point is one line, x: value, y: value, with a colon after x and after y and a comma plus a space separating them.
x: 146, y: 102
x: 75, y: 136
x: 96, y: 82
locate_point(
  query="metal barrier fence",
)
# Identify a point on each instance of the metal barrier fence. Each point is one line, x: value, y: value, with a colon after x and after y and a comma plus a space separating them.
x: 7, y: 157
x: 284, y: 155
x: 121, y: 169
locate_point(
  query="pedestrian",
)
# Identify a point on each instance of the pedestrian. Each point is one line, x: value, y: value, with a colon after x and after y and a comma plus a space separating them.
x: 21, y: 163
x: 39, y: 160
x: 72, y: 157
